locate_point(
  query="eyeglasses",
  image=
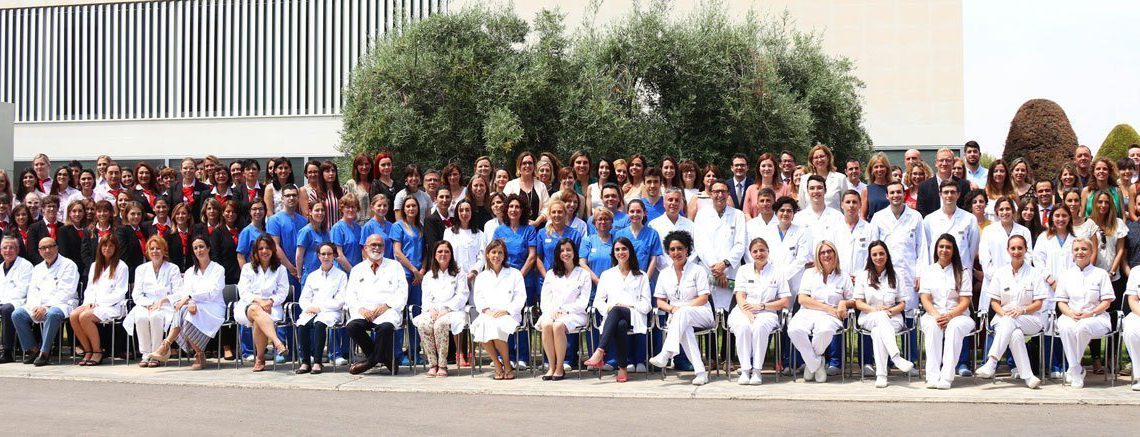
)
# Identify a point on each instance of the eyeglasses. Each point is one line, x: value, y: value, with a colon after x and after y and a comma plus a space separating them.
x: 376, y: 246
x: 52, y: 246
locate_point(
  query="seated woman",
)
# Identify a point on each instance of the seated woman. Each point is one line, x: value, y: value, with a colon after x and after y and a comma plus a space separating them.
x: 880, y: 297
x: 500, y: 295
x: 565, y: 296
x: 322, y: 299
x: 1017, y: 292
x: 1131, y: 325
x: 761, y: 291
x: 201, y: 307
x: 262, y: 289
x: 156, y: 282
x: 683, y: 292
x: 945, y: 291
x: 623, y: 296
x: 445, y: 295
x: 1084, y: 295
x: 105, y: 299
x: 824, y: 293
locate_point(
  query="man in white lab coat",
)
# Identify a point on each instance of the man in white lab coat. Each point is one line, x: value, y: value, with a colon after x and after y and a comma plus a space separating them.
x: 376, y: 295
x: 15, y: 276
x: 900, y: 227
x: 51, y: 297
x: 719, y: 240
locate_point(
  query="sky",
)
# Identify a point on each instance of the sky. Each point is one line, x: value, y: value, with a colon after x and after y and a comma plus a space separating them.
x: 1084, y: 55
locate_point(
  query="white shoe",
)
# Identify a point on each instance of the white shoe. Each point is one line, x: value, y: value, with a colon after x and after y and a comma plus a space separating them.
x: 757, y: 380
x: 607, y: 367
x: 660, y: 360
x: 521, y: 365
x: 821, y: 374
x: 1079, y: 380
x: 340, y: 361
x: 904, y: 365
x: 545, y: 366
x: 566, y: 367
x: 1013, y: 373
x: 249, y: 358
x: 743, y: 380
x: 833, y: 370
x: 1033, y: 382
x: 1136, y: 385
x: 1068, y: 377
x: 808, y: 374
x: 701, y: 378
x: 912, y: 372
x: 987, y: 371
x: 880, y: 381
x: 640, y: 368
x: 630, y: 368
x: 943, y: 385
x: 868, y: 370
x: 932, y: 383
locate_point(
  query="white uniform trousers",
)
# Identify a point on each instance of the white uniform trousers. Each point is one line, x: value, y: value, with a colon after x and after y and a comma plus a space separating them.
x: 811, y: 332
x: 940, y: 365
x: 1010, y: 332
x: 1076, y: 335
x: 883, y: 330
x: 752, y: 338
x: 150, y: 327
x: 1131, y: 331
x: 679, y: 333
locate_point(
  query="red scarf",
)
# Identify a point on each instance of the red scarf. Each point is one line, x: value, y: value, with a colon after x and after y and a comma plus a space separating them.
x: 222, y: 199
x: 182, y: 236
x: 150, y: 197
x: 234, y: 234
x: 252, y: 193
x: 41, y: 184
x: 161, y: 228
x: 101, y: 233
x: 188, y: 194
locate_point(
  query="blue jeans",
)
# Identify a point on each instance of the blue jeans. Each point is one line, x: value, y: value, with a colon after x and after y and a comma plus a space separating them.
x: 22, y: 319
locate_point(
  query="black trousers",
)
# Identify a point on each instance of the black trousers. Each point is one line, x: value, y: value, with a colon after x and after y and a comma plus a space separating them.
x: 615, y: 333
x: 377, y: 351
x: 8, y: 338
x: 309, y: 335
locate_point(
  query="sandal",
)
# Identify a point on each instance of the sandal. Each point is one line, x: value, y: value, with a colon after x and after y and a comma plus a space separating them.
x: 93, y: 361
x: 498, y: 375
x: 441, y: 372
x: 303, y: 369
x: 199, y: 362
x: 510, y: 375
x: 317, y: 369
x: 86, y: 358
x: 430, y: 373
x: 258, y: 364
x: 152, y: 364
x: 144, y: 363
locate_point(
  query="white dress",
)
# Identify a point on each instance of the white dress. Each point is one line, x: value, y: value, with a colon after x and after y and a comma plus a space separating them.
x: 447, y: 293
x: 108, y: 294
x: 150, y: 287
x: 467, y: 247
x: 261, y: 284
x: 504, y: 290
x: 568, y: 294
x: 324, y: 290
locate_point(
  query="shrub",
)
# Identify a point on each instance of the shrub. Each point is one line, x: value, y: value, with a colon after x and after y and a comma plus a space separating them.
x: 1040, y: 132
x: 1115, y: 145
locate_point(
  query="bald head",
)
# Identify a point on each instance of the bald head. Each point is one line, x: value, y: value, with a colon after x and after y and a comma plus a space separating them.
x: 912, y: 156
x: 48, y: 250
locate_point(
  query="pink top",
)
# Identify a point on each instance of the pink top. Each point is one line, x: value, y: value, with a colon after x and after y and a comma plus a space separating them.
x: 750, y: 196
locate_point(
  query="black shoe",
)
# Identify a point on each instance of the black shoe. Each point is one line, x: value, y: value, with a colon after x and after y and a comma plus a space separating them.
x: 557, y: 377
x: 41, y: 360
x: 547, y: 377
x: 30, y: 357
x: 6, y: 357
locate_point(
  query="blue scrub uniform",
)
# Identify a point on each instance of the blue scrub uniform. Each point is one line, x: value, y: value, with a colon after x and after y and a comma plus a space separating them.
x: 412, y: 244
x: 518, y: 244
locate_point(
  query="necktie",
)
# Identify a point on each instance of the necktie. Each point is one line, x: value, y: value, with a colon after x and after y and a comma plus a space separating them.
x: 182, y: 236
x: 739, y: 190
x: 161, y: 228
x: 252, y: 194
x: 51, y: 230
x: 375, y: 266
x: 142, y: 239
x: 234, y: 234
x: 42, y: 184
x: 149, y: 197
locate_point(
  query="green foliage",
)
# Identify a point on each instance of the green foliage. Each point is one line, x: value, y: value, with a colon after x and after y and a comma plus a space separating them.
x: 1115, y: 145
x: 482, y: 82
x: 986, y: 159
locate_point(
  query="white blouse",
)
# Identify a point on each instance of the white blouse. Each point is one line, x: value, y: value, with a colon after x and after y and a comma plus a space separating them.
x: 1085, y: 288
x: 614, y: 288
x: 694, y: 282
x: 884, y: 295
x: 467, y: 247
x: 835, y: 289
x: 150, y: 287
x: 767, y: 285
x: 501, y: 291
x: 447, y: 292
x: 939, y: 283
x: 262, y: 284
x: 1018, y: 289
x: 568, y: 294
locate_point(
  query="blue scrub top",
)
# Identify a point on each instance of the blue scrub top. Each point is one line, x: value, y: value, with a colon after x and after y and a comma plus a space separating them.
x: 647, y: 245
x: 621, y: 221
x: 411, y: 242
x: 548, y: 242
x: 383, y: 228
x: 596, y: 253
x: 518, y: 242
x: 310, y: 239
x: 347, y: 236
x: 286, y: 227
x: 246, y: 238
x: 653, y: 211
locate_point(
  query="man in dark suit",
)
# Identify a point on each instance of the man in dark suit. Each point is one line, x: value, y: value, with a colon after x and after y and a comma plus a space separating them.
x: 247, y: 189
x: 740, y: 180
x: 47, y: 227
x: 188, y: 188
x: 928, y: 193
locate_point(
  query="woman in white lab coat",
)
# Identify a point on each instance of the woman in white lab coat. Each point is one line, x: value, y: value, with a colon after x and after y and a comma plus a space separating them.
x: 466, y: 241
x: 500, y: 295
x: 201, y: 307
x: 761, y: 292
x: 156, y: 283
x: 992, y: 252
x: 945, y: 291
x: 623, y: 296
x: 1084, y: 295
x: 262, y: 289
x: 683, y: 292
x: 1053, y: 253
x: 880, y: 297
x: 1131, y: 325
x: 1016, y: 293
x: 565, y: 296
x: 104, y: 299
x: 321, y: 303
x: 444, y: 312
x: 824, y: 296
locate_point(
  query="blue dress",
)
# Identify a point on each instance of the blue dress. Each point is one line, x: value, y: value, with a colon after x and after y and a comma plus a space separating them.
x: 518, y: 243
x: 411, y: 243
x: 383, y: 228
x: 876, y: 199
x: 548, y: 244
x: 347, y: 236
x: 310, y: 239
x: 646, y: 244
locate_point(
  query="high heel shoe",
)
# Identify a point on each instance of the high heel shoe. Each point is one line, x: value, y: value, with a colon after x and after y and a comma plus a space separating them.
x: 596, y: 364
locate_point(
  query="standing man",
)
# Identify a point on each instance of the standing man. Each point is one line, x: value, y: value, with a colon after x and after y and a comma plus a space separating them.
x: 928, y: 190
x: 975, y: 173
x: 671, y: 220
x: 851, y: 242
x: 819, y: 221
x: 787, y: 167
x: 853, y: 170
x: 900, y: 228
x: 911, y: 156
x: 1044, y: 191
x: 1082, y: 159
x: 719, y: 242
x: 651, y: 187
x: 113, y: 186
x: 283, y: 228
x: 740, y: 180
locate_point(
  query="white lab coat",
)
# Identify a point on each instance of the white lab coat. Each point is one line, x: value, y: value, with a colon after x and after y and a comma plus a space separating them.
x: 108, y: 294
x: 150, y: 287
x: 852, y: 244
x: 15, y: 281
x: 54, y: 286
x: 467, y: 249
x: 261, y: 284
x: 992, y: 251
x: 719, y: 238
x: 324, y: 290
x: 788, y: 253
x: 902, y: 236
x: 568, y: 294
x: 664, y: 226
x: 204, y: 287
x: 694, y: 282
x: 819, y: 227
x: 368, y: 290
x: 448, y: 293
x: 962, y: 225
x: 632, y: 290
x: 836, y: 184
x: 504, y: 290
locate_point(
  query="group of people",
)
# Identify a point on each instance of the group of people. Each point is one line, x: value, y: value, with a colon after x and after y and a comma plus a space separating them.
x: 609, y: 249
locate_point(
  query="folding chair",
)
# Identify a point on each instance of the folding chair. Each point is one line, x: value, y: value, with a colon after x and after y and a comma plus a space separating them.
x: 706, y: 336
x: 905, y: 334
x: 981, y: 320
x: 594, y: 316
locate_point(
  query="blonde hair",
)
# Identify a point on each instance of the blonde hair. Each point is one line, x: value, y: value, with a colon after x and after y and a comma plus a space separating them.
x: 878, y: 158
x: 830, y: 158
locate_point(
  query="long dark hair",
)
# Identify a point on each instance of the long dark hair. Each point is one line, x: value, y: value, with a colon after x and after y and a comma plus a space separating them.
x: 955, y: 259
x: 433, y: 265
x: 559, y: 266
x: 889, y: 269
x: 633, y: 265
x: 272, y: 245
